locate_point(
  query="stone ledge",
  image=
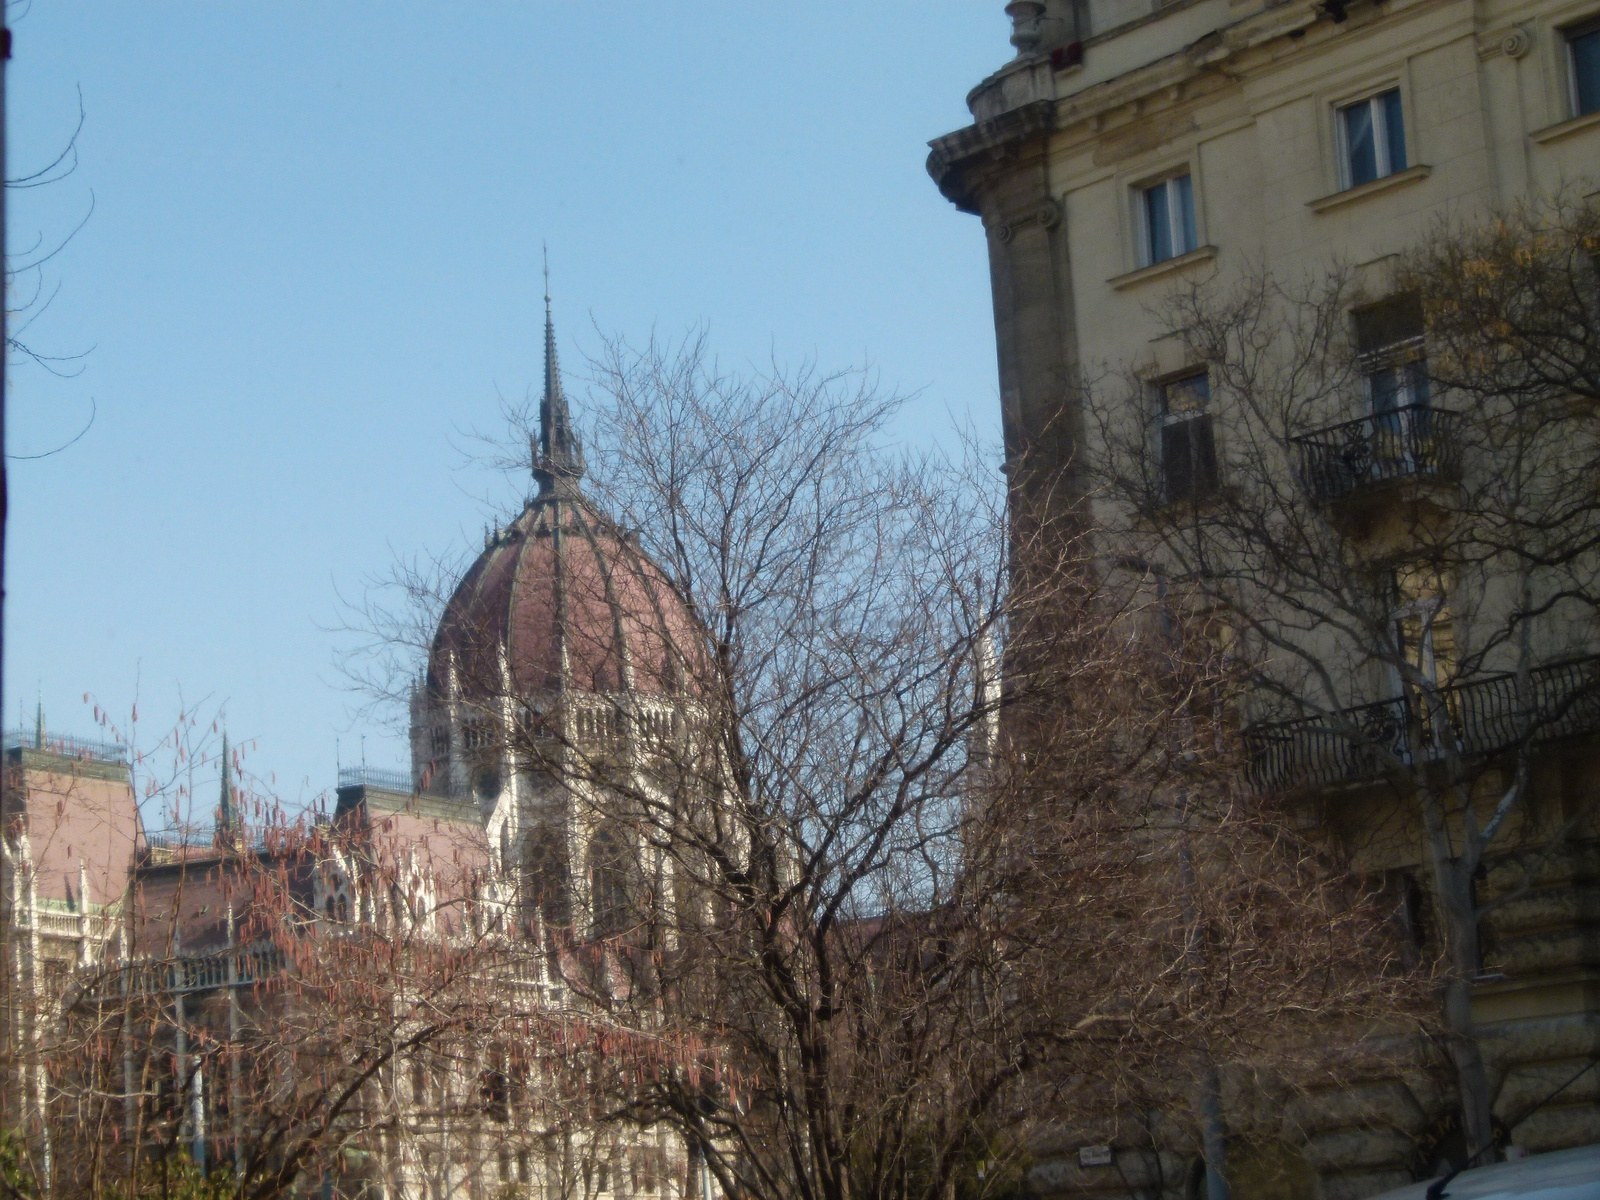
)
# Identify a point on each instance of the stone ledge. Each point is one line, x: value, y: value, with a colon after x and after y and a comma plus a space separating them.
x: 1350, y: 195
x: 1359, y: 1149
x: 1554, y: 133
x: 1388, y: 1104
x: 1558, y: 1129
x: 1530, y: 1088
x: 1165, y: 266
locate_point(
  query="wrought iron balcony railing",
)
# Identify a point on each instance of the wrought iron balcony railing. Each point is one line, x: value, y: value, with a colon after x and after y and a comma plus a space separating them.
x: 389, y: 781
x: 1485, y: 716
x: 1401, y: 443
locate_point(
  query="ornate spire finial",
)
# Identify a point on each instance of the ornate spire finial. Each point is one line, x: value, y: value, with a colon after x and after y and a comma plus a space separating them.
x: 228, y: 822
x: 559, y: 461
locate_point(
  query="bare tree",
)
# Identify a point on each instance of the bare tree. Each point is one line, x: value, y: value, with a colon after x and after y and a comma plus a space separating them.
x: 341, y: 1029
x: 1386, y: 498
x: 903, y: 902
x: 272, y: 1004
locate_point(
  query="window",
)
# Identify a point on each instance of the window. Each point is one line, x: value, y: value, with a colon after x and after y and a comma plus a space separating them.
x: 496, y: 1088
x: 1166, y: 220
x: 1393, y: 358
x: 1583, y: 55
x: 1399, y: 386
x: 1373, y: 133
x: 544, y: 876
x: 1188, y: 448
x: 1409, y: 919
x: 608, y: 883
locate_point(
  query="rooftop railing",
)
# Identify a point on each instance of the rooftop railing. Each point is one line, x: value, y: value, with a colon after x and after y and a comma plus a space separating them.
x: 66, y: 746
x: 1485, y: 716
x: 1400, y: 443
x: 388, y: 780
x: 193, y: 972
x: 169, y: 845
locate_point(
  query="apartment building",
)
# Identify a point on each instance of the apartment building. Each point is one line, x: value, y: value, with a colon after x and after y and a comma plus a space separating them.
x: 1136, y: 152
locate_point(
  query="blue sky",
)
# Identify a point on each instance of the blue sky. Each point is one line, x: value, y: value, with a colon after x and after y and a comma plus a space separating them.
x: 313, y: 261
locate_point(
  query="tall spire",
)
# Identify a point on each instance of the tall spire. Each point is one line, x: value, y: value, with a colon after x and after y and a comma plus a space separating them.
x: 559, y: 460
x: 228, y: 823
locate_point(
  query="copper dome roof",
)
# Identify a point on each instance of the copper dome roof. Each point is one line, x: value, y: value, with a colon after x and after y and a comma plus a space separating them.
x: 574, y: 604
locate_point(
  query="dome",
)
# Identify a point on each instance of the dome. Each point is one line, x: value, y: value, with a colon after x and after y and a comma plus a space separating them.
x: 561, y: 599
x: 574, y: 605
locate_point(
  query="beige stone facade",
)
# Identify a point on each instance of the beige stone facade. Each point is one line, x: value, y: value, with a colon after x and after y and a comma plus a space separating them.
x: 1244, y: 97
x: 1134, y: 146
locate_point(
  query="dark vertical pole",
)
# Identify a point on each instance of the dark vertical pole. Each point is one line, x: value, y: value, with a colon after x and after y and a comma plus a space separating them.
x: 5, y: 346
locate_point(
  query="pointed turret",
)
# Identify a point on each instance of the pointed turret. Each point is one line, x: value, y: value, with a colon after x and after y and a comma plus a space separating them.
x: 229, y: 825
x: 559, y: 457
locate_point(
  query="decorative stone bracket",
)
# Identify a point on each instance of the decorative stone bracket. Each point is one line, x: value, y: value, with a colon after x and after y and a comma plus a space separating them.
x: 1046, y: 216
x: 1513, y: 43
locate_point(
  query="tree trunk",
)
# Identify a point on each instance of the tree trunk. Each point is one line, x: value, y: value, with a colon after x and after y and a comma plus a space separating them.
x: 1458, y: 918
x: 1213, y: 1134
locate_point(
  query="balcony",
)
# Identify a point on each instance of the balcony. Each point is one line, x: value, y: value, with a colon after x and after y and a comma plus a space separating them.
x: 1486, y: 717
x: 97, y: 924
x: 205, y: 972
x: 1413, y: 442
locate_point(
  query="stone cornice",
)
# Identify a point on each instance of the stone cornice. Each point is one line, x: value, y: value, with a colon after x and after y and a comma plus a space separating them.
x: 1221, y: 57
x: 991, y: 140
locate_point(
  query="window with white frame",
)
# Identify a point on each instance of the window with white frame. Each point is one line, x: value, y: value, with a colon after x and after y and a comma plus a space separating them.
x: 1392, y: 353
x: 1166, y: 220
x: 1372, y: 138
x: 1187, y: 445
x: 1583, y: 67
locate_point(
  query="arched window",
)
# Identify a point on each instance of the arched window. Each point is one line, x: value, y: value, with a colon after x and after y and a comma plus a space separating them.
x: 608, y: 882
x: 488, y: 786
x: 544, y: 876
x: 335, y: 887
